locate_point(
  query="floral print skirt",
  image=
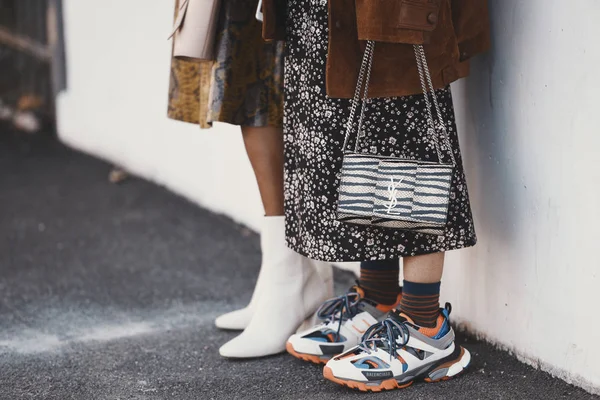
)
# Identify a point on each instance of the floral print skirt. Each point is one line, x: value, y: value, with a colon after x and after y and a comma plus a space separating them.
x: 314, y: 127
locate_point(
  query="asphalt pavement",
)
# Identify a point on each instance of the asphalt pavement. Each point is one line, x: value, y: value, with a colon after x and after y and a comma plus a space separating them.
x: 109, y: 291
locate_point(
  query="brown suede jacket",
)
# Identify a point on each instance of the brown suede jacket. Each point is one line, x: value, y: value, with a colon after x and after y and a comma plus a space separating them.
x: 452, y: 32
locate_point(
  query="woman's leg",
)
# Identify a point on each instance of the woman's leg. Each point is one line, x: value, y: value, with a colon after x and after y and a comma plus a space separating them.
x: 421, y: 289
x: 264, y: 146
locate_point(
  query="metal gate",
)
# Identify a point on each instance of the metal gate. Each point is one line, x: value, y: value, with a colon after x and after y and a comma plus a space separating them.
x: 32, y: 59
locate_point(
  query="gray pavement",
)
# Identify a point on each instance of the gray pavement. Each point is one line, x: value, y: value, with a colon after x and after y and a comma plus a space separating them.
x: 109, y: 292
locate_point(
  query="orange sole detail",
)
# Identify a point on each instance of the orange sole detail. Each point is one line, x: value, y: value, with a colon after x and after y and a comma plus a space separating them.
x: 445, y: 378
x: 305, y: 357
x: 388, y: 384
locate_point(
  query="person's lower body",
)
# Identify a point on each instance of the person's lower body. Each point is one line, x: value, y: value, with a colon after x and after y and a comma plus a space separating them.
x: 354, y: 341
x: 415, y: 342
x: 411, y: 339
x: 244, y: 87
x: 290, y: 286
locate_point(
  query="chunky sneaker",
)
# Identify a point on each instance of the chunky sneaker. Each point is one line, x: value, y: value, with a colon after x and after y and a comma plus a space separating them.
x: 345, y: 320
x: 396, y: 352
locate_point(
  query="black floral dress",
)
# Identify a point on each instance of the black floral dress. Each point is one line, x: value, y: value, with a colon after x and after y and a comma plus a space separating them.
x: 314, y: 135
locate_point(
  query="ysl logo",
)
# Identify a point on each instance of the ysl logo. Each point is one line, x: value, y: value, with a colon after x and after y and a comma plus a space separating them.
x: 393, y: 194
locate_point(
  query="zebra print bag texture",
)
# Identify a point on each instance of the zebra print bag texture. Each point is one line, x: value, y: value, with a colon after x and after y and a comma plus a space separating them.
x: 394, y: 192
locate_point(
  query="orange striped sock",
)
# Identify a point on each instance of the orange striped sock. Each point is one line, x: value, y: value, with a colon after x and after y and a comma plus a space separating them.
x: 379, y: 280
x: 421, y: 302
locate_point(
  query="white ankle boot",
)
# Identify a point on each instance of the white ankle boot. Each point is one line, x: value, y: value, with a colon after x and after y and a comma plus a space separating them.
x: 325, y: 270
x: 290, y: 291
x: 239, y: 319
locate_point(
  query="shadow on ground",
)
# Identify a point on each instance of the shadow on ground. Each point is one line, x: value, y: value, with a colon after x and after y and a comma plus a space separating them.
x: 109, y: 292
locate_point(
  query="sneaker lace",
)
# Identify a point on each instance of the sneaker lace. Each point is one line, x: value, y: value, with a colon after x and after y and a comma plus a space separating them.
x: 339, y: 309
x: 390, y: 332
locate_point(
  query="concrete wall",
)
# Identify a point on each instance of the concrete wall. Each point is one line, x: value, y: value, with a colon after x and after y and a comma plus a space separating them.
x: 530, y: 134
x: 529, y: 122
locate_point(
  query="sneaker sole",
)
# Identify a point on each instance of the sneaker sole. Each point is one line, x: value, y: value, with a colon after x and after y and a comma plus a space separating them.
x: 388, y: 384
x: 305, y: 357
x: 450, y: 369
x: 443, y: 372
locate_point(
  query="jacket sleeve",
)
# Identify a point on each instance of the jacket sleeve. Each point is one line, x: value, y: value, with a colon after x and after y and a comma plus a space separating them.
x: 397, y: 21
x: 471, y: 22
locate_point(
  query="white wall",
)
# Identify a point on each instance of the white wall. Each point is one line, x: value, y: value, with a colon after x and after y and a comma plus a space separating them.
x: 529, y: 122
x: 530, y: 118
x: 118, y: 60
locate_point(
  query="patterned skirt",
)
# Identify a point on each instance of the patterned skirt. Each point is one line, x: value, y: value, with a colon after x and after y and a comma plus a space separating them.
x: 243, y: 86
x: 314, y: 129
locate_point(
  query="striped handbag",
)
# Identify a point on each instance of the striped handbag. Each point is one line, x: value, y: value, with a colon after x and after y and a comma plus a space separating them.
x: 394, y: 192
